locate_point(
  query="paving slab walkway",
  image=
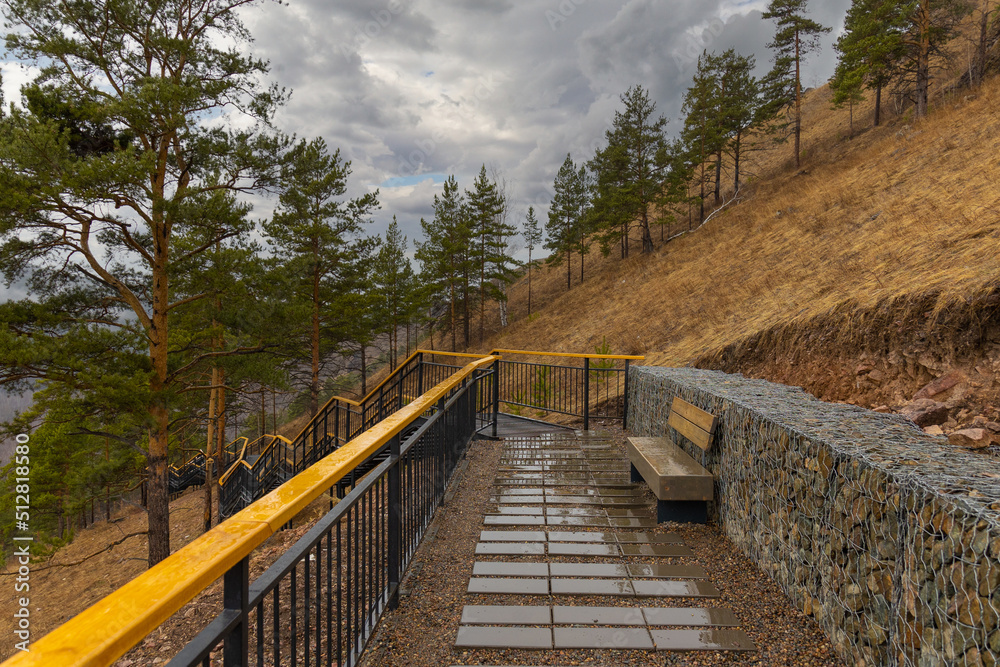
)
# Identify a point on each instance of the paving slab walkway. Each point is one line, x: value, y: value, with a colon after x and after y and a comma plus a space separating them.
x: 549, y: 491
x: 435, y: 600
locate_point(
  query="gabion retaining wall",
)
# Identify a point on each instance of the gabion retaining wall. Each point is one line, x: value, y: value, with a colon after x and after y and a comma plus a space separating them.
x: 889, y: 537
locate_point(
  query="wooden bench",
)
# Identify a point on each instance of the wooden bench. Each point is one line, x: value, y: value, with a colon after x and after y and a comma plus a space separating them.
x: 681, y: 485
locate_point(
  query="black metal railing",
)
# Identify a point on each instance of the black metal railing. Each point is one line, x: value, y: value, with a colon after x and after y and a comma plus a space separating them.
x: 596, y: 388
x: 319, y: 603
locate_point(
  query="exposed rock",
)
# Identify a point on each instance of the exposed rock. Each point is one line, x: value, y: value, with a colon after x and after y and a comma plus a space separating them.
x: 876, y: 376
x: 940, y: 385
x: 993, y: 426
x: 973, y: 438
x: 925, y: 412
x: 886, y: 408
x: 933, y: 430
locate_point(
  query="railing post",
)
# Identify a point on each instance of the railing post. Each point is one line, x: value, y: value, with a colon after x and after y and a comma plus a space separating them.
x: 235, y: 596
x: 420, y: 374
x: 336, y: 424
x: 395, y: 524
x: 496, y: 395
x: 586, y: 393
x: 381, y: 404
x: 625, y: 400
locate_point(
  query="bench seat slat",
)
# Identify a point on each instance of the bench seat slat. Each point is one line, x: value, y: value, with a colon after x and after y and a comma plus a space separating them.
x: 670, y: 472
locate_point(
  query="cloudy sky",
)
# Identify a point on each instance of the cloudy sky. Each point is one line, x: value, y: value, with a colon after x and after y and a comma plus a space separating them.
x: 414, y: 90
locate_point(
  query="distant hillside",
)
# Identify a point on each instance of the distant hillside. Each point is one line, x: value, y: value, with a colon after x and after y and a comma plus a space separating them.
x: 879, y: 254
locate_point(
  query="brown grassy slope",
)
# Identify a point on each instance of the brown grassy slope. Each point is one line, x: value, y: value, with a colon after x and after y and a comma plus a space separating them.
x: 902, y: 211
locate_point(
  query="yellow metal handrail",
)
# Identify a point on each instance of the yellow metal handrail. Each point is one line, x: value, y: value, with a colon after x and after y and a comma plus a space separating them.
x: 630, y: 357
x: 112, y: 626
x: 242, y: 459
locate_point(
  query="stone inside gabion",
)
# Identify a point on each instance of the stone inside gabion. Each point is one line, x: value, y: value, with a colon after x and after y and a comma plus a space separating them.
x: 889, y: 537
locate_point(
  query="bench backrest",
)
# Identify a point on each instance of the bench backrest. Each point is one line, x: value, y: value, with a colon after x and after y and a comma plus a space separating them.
x: 692, y: 422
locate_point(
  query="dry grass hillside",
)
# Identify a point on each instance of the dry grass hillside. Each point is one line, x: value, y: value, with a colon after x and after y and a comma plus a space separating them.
x: 880, y: 254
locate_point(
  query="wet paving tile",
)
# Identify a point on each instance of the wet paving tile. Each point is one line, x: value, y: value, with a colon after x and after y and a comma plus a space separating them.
x: 568, y: 549
x: 689, y: 616
x: 665, y: 571
x: 519, y: 586
x: 649, y: 538
x: 507, y: 615
x: 518, y: 509
x: 521, y: 499
x: 519, y: 492
x: 662, y: 550
x: 607, y: 638
x: 511, y: 536
x: 628, y: 513
x: 513, y: 637
x: 619, y: 587
x: 665, y: 588
x: 627, y: 522
x: 524, y: 475
x: 597, y: 616
x: 574, y: 511
x: 514, y: 520
x: 618, y: 493
x: 625, y: 502
x: 577, y: 536
x: 702, y: 640
x: 510, y: 549
x: 572, y: 500
x: 588, y: 521
x: 484, y: 569
x: 586, y: 570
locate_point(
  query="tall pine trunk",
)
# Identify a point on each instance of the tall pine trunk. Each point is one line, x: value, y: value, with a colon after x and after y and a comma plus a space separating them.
x: 878, y: 103
x: 923, y: 57
x: 314, y: 346
x: 158, y: 501
x: 798, y: 103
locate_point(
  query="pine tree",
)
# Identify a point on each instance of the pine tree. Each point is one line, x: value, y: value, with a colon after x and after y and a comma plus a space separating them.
x: 444, y: 251
x: 870, y: 48
x: 795, y: 37
x: 929, y: 25
x: 565, y: 215
x: 317, y: 234
x: 483, y: 207
x: 703, y: 133
x: 629, y: 171
x: 152, y: 71
x: 393, y: 277
x: 532, y: 234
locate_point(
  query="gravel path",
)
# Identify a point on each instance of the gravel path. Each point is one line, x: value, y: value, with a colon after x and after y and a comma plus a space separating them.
x: 422, y: 630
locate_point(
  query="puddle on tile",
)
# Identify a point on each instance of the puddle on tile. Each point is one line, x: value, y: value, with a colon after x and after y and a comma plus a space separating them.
x: 608, y: 638
x: 579, y: 536
x: 666, y: 571
x: 662, y: 550
x: 586, y: 570
x: 702, y: 640
x: 674, y: 589
x: 590, y: 521
x: 649, y: 538
x: 620, y: 587
x: 569, y: 549
x: 689, y: 616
